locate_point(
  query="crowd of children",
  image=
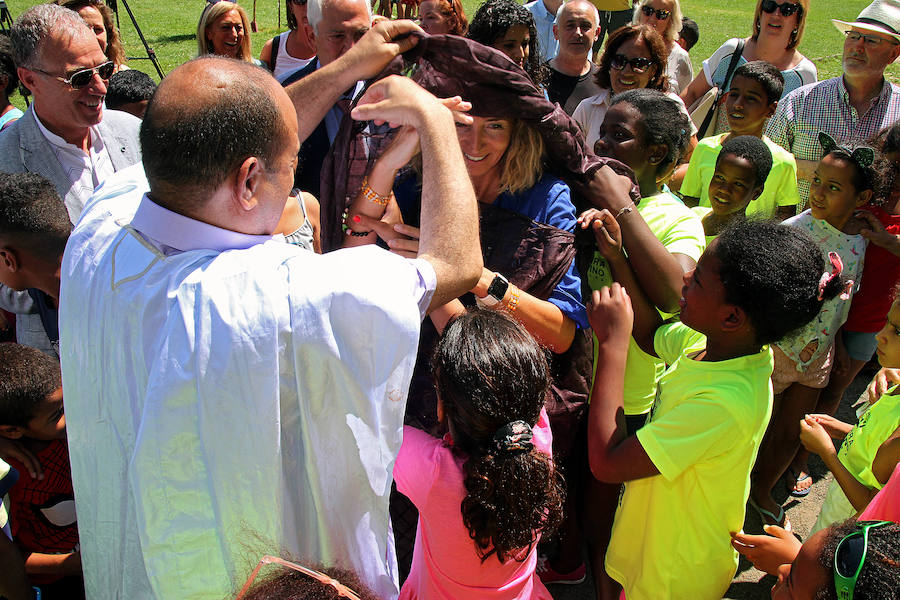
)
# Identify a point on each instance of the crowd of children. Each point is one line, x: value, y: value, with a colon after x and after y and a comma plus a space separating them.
x: 727, y: 326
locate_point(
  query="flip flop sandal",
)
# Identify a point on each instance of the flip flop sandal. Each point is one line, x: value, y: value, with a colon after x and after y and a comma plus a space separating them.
x: 766, y: 516
x: 800, y: 493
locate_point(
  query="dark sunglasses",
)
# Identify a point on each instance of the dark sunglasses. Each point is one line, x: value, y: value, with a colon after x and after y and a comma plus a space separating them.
x: 662, y: 15
x: 850, y: 556
x: 787, y: 9
x: 83, y: 77
x: 638, y: 64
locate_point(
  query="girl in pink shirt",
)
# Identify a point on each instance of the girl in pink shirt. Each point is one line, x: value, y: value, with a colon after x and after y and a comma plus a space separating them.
x: 489, y: 488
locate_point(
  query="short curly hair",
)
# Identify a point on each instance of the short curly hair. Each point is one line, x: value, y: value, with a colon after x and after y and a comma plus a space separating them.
x: 27, y: 378
x: 752, y: 149
x: 879, y: 578
x: 665, y: 122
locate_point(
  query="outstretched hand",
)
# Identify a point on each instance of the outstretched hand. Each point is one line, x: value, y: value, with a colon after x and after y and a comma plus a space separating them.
x: 611, y: 316
x: 768, y: 552
x: 814, y: 437
x: 379, y: 46
x: 396, y: 100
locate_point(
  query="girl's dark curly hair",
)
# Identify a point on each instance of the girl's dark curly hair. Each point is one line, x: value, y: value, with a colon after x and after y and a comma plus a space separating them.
x: 491, y: 22
x: 665, y: 123
x: 8, y: 66
x: 888, y: 141
x: 655, y: 46
x: 489, y: 372
x: 875, y: 177
x: 772, y: 272
x: 880, y: 575
x: 283, y: 583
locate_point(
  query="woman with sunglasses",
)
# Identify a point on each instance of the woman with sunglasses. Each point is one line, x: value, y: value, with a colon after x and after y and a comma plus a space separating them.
x: 635, y: 57
x: 665, y: 17
x: 292, y: 50
x: 777, y: 31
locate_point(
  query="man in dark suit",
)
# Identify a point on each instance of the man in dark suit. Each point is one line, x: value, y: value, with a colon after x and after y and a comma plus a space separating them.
x: 337, y: 25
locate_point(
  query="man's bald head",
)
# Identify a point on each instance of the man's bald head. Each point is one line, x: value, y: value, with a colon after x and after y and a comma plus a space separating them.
x: 205, y: 119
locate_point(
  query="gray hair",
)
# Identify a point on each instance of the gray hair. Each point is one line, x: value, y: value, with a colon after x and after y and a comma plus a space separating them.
x: 315, y: 8
x: 595, y: 12
x: 34, y: 26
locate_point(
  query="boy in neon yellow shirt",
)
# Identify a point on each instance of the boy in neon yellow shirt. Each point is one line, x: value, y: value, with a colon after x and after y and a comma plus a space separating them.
x: 751, y: 100
x: 687, y: 471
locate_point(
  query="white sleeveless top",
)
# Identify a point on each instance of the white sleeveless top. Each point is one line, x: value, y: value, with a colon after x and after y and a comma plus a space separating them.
x: 285, y: 64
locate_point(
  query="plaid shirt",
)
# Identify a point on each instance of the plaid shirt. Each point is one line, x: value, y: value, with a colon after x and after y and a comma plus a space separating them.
x: 825, y: 106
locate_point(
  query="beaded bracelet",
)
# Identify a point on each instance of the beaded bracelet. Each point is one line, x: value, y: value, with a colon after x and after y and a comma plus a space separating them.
x: 513, y: 303
x: 373, y: 196
x: 346, y: 228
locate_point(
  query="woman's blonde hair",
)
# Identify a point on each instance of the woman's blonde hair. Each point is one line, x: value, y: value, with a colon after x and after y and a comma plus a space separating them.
x: 114, y: 50
x: 523, y: 160
x: 674, y: 27
x: 796, y: 34
x: 211, y: 14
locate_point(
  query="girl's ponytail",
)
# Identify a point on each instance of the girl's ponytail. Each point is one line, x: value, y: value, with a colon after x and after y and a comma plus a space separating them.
x: 492, y: 378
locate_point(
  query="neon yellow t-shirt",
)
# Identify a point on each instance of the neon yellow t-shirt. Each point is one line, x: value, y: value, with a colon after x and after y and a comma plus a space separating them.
x: 680, y: 232
x: 780, y: 187
x: 702, y: 211
x: 671, y: 536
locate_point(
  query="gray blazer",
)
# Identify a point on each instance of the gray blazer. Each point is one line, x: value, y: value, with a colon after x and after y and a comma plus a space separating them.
x: 24, y: 149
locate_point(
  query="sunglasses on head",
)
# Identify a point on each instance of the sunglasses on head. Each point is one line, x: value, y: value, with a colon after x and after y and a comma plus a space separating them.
x: 662, y: 15
x: 638, y: 64
x: 83, y: 77
x: 850, y: 556
x: 787, y: 9
x: 342, y: 590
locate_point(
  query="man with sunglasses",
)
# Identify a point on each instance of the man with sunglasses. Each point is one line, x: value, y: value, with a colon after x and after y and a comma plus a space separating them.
x: 853, y: 106
x: 66, y: 135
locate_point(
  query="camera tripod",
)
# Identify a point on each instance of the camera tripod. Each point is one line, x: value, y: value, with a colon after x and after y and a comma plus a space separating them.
x: 151, y: 54
x: 5, y: 17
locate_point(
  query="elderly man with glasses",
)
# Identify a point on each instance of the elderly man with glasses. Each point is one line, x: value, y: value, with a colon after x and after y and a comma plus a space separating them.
x: 854, y: 106
x: 66, y: 135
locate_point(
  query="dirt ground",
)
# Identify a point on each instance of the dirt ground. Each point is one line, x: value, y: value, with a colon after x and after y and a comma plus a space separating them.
x: 749, y: 583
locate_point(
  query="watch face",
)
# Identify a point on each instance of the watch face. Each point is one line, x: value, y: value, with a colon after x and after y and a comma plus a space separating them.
x: 498, y: 287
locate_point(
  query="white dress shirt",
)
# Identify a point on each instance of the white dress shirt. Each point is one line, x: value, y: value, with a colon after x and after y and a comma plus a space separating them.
x: 224, y: 390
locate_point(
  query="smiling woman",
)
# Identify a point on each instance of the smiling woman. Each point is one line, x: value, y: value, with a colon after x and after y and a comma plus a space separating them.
x: 224, y: 29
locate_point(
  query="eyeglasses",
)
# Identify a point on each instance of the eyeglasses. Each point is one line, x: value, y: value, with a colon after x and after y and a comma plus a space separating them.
x: 870, y: 40
x: 83, y: 77
x: 662, y: 15
x: 638, y: 64
x: 850, y: 556
x: 787, y: 9
x: 342, y: 590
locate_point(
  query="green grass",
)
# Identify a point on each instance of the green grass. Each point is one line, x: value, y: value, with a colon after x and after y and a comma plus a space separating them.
x: 170, y: 27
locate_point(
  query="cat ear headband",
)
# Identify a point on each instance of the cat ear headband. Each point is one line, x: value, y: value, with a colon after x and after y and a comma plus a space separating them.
x: 862, y: 156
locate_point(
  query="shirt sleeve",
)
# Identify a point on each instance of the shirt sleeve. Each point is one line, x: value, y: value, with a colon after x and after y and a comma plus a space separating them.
x: 416, y: 464
x: 567, y: 293
x: 698, y: 428
x: 785, y: 182
x: 685, y: 234
x: 674, y: 339
x: 711, y: 64
x: 691, y: 185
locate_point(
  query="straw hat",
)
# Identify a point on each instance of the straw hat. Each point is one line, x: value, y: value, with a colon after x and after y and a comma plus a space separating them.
x: 882, y: 16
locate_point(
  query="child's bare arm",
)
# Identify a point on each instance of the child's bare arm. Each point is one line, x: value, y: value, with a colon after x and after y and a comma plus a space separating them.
x: 14, y: 582
x: 614, y: 456
x: 312, y: 213
x: 63, y: 565
x: 608, y: 236
x: 887, y: 457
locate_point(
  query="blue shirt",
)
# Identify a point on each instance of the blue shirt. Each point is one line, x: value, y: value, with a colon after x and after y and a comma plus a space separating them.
x: 548, y: 45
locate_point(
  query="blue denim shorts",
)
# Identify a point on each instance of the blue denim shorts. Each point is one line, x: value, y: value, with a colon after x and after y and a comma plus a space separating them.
x: 859, y: 345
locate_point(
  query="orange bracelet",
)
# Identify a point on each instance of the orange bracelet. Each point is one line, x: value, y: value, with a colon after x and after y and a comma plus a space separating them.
x: 513, y: 303
x: 373, y: 196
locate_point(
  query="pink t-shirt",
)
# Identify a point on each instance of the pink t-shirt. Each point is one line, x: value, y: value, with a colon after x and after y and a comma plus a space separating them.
x: 885, y: 506
x: 445, y: 562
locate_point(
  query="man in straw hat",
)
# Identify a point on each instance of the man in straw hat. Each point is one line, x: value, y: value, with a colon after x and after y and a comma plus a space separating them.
x: 854, y: 106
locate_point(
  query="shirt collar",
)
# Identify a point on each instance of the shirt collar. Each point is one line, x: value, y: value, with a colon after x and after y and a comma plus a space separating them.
x: 59, y: 142
x: 600, y: 98
x: 845, y: 95
x: 184, y: 233
x: 543, y: 12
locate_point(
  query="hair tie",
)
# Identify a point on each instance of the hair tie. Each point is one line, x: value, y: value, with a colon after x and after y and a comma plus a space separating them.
x: 515, y: 436
x: 863, y: 156
x: 836, y: 267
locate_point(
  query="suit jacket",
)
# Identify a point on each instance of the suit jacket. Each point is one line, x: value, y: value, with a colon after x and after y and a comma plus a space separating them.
x: 24, y: 149
x: 314, y: 148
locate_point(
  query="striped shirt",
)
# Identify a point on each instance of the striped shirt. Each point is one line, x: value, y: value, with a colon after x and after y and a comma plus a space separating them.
x: 825, y: 106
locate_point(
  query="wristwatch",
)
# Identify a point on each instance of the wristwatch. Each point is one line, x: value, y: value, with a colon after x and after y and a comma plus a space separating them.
x: 496, y: 291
